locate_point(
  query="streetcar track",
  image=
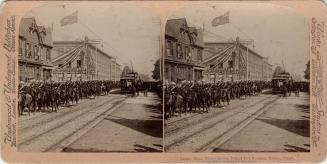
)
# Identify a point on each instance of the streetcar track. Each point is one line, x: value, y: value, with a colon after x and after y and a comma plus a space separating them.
x: 211, y: 125
x: 176, y: 121
x: 49, y: 119
x: 62, y: 115
x: 170, y: 132
x: 33, y: 137
x: 75, y: 131
x: 83, y: 102
x: 207, y: 144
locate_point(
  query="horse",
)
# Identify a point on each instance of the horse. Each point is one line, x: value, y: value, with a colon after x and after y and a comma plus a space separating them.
x: 24, y: 101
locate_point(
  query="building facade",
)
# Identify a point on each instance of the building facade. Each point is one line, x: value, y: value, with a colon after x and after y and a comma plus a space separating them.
x: 81, y: 61
x: 116, y: 71
x: 233, y: 61
x: 267, y: 70
x: 183, y: 52
x: 34, y: 51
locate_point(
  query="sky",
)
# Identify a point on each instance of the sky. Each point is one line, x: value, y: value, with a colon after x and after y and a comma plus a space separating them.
x: 279, y: 33
x: 130, y: 33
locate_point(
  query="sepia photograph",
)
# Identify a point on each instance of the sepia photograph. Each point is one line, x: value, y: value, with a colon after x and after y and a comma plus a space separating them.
x: 236, y: 79
x: 163, y: 81
x: 90, y: 79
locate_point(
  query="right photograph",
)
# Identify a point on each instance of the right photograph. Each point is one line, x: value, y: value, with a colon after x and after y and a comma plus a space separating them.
x: 236, y: 79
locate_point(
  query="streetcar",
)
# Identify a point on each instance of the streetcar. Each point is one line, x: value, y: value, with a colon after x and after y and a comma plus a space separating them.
x: 279, y: 81
x: 127, y: 81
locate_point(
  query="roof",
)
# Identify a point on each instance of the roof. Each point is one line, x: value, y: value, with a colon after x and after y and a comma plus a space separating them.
x: 55, y: 43
x: 173, y: 27
x: 44, y: 33
x: 199, y: 36
x: 24, y: 23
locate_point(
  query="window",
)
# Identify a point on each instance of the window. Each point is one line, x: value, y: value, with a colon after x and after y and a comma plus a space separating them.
x: 187, y: 53
x: 36, y: 49
x: 28, y: 50
x: 32, y: 51
x: 169, y: 48
x: 230, y: 63
x: 48, y: 55
x: 183, y: 52
x: 199, y: 55
x: 220, y: 65
x: 79, y: 63
x: 40, y: 52
x: 20, y: 47
x: 173, y: 47
x: 178, y: 50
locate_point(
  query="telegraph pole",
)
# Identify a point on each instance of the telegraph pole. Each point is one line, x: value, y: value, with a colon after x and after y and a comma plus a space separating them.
x: 160, y: 60
x: 247, y: 62
x: 247, y: 42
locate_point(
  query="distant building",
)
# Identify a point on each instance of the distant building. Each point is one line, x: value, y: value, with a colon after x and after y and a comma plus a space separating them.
x: 227, y: 61
x: 34, y: 51
x: 116, y: 71
x: 82, y: 60
x: 183, y: 53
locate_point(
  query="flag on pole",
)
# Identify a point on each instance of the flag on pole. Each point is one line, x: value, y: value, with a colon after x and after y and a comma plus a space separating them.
x: 220, y: 20
x: 69, y: 19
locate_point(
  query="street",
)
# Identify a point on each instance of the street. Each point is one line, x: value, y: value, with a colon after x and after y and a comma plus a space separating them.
x: 263, y: 123
x: 285, y: 126
x: 110, y: 123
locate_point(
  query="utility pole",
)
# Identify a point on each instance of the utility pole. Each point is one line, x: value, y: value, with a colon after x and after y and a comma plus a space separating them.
x: 247, y: 43
x: 160, y: 60
x: 247, y: 62
x: 96, y: 61
x: 95, y: 42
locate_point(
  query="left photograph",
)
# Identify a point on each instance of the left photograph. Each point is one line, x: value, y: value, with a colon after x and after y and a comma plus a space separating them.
x: 90, y: 79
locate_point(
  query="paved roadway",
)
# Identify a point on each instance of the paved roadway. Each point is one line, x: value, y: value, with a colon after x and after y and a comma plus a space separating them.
x: 284, y: 127
x: 113, y: 123
x: 259, y: 123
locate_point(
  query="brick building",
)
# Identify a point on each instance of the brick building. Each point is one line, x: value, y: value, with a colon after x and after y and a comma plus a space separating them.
x: 34, y: 51
x: 183, y: 51
x: 227, y: 61
x: 82, y: 60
